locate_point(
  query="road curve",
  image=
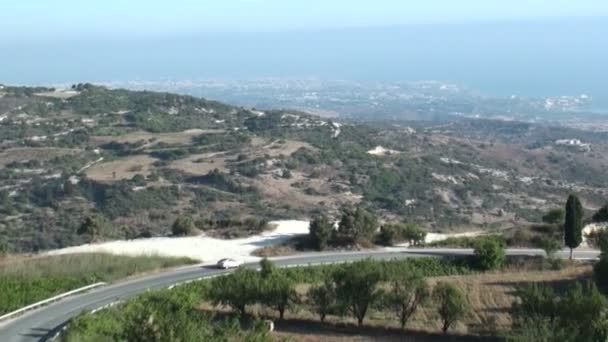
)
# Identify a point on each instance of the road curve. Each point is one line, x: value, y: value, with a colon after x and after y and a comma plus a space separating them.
x: 44, y: 323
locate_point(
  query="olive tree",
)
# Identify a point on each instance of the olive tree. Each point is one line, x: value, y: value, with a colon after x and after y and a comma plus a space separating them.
x: 236, y: 290
x: 278, y: 292
x: 451, y: 304
x: 356, y: 287
x: 322, y: 298
x: 406, y: 294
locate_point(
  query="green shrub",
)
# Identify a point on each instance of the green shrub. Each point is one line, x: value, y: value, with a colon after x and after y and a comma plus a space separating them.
x: 601, y: 215
x: 182, y: 226
x: 320, y: 232
x: 555, y: 216
x: 576, y: 315
x: 489, y: 254
x: 549, y: 245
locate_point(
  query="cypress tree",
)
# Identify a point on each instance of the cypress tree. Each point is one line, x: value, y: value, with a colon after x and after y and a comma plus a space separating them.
x: 573, y: 227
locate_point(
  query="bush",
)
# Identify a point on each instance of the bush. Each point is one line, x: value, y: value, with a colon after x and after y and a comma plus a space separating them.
x: 489, y: 254
x: 554, y: 216
x: 598, y: 239
x: 182, y: 226
x: 549, y: 245
x: 601, y: 215
x: 600, y: 273
x: 576, y: 315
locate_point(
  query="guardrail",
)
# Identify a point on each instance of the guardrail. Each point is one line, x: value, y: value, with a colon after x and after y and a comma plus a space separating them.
x: 49, y: 300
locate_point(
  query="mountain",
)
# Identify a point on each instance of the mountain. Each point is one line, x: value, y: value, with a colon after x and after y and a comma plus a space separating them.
x: 136, y: 160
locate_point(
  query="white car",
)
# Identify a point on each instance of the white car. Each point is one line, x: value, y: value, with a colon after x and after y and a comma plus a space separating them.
x: 228, y: 263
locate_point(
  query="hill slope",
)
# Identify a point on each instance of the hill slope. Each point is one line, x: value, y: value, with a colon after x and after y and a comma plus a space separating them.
x: 138, y: 160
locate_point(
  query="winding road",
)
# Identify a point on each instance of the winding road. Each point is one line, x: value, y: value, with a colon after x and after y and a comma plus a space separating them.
x: 44, y: 323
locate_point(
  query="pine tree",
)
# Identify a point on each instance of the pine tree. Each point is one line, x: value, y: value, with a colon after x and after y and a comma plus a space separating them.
x: 573, y: 227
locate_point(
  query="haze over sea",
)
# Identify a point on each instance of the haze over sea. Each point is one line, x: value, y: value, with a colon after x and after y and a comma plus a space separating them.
x: 497, y: 58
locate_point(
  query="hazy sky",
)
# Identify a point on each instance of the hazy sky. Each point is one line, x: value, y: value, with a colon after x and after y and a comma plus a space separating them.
x: 40, y: 18
x: 524, y: 47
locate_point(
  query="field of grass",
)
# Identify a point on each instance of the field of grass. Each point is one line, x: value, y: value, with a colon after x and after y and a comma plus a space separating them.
x: 123, y: 168
x: 25, y: 281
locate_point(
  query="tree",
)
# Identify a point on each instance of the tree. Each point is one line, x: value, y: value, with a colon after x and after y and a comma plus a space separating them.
x: 600, y: 273
x: 406, y: 295
x: 413, y: 234
x: 573, y: 227
x: 489, y: 254
x: 578, y: 314
x: 91, y: 226
x: 601, y: 215
x: 357, y: 224
x: 182, y: 226
x: 237, y: 290
x: 278, y: 292
x: 266, y: 268
x: 322, y: 298
x: 598, y: 238
x: 320, y: 231
x: 451, y: 303
x: 549, y: 245
x: 387, y: 235
x: 554, y: 216
x: 356, y: 287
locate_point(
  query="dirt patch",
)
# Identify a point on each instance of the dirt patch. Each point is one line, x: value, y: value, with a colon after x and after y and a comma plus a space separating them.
x: 201, y: 164
x: 123, y: 168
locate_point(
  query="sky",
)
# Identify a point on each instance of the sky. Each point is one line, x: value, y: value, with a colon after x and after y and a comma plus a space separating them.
x: 40, y: 19
x: 503, y: 47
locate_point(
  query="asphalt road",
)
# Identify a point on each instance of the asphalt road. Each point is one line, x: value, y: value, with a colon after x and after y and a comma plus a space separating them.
x: 44, y: 323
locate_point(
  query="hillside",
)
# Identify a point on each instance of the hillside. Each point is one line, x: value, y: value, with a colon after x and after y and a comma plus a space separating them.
x: 138, y: 160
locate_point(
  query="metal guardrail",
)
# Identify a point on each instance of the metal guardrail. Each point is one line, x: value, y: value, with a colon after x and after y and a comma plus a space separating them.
x: 49, y: 300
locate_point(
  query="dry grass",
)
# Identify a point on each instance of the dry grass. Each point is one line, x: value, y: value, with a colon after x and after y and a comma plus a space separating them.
x: 491, y: 295
x: 285, y: 147
x: 201, y: 164
x: 33, y: 153
x: 177, y: 138
x: 124, y: 168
